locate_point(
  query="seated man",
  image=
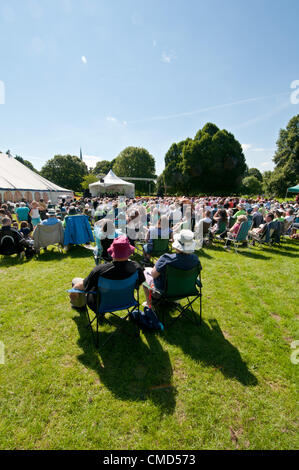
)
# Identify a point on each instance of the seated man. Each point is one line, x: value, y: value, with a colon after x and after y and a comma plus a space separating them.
x: 261, y: 231
x: 120, y: 268
x: 183, y: 258
x: 52, y: 218
x: 257, y: 217
x: 11, y: 240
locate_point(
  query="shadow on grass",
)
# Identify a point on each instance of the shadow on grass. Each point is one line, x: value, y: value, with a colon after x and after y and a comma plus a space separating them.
x: 252, y: 254
x: 129, y: 368
x: 207, y: 344
x: 203, y: 254
x: 78, y: 251
x: 11, y: 261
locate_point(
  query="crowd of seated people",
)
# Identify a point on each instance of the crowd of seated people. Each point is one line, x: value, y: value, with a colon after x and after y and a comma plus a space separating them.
x: 120, y: 225
x: 158, y: 217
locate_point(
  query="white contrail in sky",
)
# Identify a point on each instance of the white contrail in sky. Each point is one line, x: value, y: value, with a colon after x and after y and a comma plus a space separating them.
x: 202, y: 110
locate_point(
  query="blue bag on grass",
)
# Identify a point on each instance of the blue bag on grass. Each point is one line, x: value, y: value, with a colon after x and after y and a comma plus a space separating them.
x: 147, y: 320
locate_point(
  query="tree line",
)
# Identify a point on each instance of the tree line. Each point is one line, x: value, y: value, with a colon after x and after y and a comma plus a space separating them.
x: 212, y: 162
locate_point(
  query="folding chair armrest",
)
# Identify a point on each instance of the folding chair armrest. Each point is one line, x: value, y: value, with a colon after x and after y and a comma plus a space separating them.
x: 78, y: 291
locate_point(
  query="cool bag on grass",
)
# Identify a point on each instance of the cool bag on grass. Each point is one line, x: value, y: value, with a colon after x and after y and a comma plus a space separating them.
x: 147, y: 320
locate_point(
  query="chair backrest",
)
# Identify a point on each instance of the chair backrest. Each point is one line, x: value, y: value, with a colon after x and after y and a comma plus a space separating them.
x: 205, y: 228
x: 160, y: 246
x: 222, y: 226
x: 77, y: 230
x: 45, y: 235
x: 181, y: 283
x: 231, y: 221
x: 117, y: 295
x: 8, y: 243
x: 243, y: 231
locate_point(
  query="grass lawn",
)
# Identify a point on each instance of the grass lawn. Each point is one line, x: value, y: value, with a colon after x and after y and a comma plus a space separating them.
x: 229, y: 384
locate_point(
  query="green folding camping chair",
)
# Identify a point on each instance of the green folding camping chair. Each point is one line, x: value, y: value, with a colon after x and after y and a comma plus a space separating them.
x: 179, y: 285
x: 160, y: 247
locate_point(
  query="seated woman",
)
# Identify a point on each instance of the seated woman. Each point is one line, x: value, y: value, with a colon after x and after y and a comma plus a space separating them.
x: 220, y: 226
x: 233, y: 232
x: 120, y: 267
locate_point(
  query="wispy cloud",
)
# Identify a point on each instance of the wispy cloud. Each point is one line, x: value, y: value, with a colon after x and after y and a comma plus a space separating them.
x: 116, y: 121
x: 111, y: 119
x: 84, y: 60
x: 154, y: 43
x: 209, y: 108
x: 263, y: 117
x: 245, y: 147
x: 250, y: 148
x: 167, y: 57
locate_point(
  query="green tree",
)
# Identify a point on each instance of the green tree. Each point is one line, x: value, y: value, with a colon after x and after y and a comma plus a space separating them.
x: 87, y: 180
x: 103, y: 167
x: 266, y: 181
x: 67, y: 171
x: 135, y: 162
x: 160, y: 186
x: 286, y: 159
x: 255, y: 172
x: 174, y: 179
x: 213, y: 162
x: 251, y: 185
x: 26, y: 163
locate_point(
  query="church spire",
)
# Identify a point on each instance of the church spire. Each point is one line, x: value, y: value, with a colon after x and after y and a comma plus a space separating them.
x: 81, y: 154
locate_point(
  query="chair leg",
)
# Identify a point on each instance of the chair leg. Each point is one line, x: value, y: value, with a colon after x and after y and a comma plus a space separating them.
x: 185, y: 308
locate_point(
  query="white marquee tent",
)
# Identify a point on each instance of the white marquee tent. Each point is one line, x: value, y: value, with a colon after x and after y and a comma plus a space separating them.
x: 17, y: 181
x: 114, y: 185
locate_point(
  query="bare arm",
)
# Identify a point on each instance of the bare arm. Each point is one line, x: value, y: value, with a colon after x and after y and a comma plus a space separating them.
x: 155, y: 273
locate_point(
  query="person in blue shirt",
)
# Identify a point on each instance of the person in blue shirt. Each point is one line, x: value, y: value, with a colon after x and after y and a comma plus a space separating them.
x: 22, y: 212
x: 52, y: 218
x: 183, y: 258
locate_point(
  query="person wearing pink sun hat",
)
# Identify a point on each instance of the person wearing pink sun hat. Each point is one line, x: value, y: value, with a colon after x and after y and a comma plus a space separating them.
x: 120, y: 268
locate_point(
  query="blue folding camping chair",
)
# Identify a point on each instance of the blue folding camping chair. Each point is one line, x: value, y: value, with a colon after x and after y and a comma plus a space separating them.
x: 114, y: 296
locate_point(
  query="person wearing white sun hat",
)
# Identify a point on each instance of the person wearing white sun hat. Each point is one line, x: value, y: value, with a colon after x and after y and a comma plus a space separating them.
x: 183, y: 258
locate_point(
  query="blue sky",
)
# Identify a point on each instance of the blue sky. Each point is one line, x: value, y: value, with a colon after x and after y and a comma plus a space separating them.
x: 106, y: 74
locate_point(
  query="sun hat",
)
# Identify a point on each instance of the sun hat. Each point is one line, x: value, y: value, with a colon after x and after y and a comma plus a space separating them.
x: 72, y: 210
x: 184, y: 241
x: 121, y: 248
x: 51, y: 212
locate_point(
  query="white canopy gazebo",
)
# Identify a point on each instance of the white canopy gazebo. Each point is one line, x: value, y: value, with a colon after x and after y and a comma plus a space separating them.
x: 17, y: 181
x: 114, y: 185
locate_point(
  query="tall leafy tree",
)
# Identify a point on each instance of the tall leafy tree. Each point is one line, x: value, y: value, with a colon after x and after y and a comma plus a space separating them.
x: 135, y: 162
x: 103, y: 167
x: 251, y: 185
x: 173, y: 176
x: 67, y: 171
x: 213, y: 162
x: 286, y: 159
x: 255, y: 172
x: 26, y: 163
